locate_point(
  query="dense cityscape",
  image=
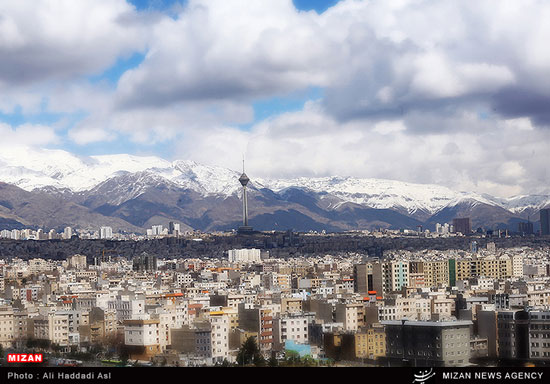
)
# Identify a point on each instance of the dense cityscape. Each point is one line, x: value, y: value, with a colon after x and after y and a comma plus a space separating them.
x: 392, y: 306
x: 395, y: 307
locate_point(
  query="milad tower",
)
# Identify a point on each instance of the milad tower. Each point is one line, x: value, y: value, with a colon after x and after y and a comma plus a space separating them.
x: 245, y: 228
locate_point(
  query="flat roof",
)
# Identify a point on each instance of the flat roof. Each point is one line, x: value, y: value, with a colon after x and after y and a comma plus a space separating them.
x: 458, y: 323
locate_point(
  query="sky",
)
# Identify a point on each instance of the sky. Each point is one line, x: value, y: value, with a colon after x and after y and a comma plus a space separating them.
x: 454, y: 93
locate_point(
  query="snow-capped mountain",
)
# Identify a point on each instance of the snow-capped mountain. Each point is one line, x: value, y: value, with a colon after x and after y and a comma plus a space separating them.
x: 381, y: 194
x: 114, y: 184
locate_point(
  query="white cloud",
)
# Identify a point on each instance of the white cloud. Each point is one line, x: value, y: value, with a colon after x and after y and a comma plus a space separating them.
x: 491, y: 158
x: 405, y: 84
x: 28, y: 135
x: 225, y: 50
x: 44, y: 40
x: 88, y: 135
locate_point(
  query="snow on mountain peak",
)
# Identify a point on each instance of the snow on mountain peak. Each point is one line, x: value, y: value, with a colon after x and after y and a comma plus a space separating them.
x: 30, y: 169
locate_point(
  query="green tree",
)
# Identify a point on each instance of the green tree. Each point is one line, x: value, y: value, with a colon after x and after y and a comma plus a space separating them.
x: 292, y: 359
x: 308, y: 361
x: 249, y: 353
x: 124, y: 356
x: 225, y: 363
x: 273, y: 362
x: 259, y: 360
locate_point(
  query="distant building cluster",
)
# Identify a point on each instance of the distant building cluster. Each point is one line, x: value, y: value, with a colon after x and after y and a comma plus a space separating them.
x: 428, y: 308
x: 104, y: 232
x: 458, y: 227
x: 39, y: 234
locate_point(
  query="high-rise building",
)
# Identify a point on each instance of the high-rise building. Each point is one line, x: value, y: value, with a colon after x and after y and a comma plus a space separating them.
x: 68, y: 233
x: 427, y: 343
x: 77, y: 261
x: 173, y: 228
x: 462, y: 225
x: 244, y: 255
x: 362, y: 278
x: 545, y: 222
x: 106, y: 233
x: 144, y: 263
x: 157, y: 230
x: 382, y: 277
x: 525, y: 228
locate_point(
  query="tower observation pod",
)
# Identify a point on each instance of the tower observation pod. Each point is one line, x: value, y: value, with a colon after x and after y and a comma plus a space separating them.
x: 245, y: 228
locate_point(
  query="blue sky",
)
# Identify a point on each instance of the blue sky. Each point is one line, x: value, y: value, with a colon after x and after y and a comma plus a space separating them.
x: 306, y: 5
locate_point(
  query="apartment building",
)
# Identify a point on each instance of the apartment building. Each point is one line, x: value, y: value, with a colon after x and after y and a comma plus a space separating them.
x: 351, y: 315
x: 258, y: 319
x: 427, y: 343
x: 142, y: 338
x: 411, y: 308
x: 294, y: 328
x: 370, y: 344
x: 7, y: 327
x: 291, y: 305
x: 436, y: 273
x: 219, y: 322
x: 524, y: 334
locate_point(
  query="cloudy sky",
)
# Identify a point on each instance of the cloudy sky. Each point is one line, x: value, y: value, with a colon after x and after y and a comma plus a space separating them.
x: 455, y: 93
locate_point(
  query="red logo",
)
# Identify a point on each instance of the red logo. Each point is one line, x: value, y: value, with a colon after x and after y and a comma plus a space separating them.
x: 25, y: 358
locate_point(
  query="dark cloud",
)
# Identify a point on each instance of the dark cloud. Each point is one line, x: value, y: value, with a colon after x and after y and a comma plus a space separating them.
x: 515, y: 102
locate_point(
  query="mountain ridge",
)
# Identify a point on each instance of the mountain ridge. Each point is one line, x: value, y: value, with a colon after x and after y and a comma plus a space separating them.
x: 139, y: 190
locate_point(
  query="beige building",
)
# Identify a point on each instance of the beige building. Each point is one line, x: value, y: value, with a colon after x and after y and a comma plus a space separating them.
x: 443, y: 307
x: 7, y: 327
x: 352, y: 315
x: 291, y: 305
x: 436, y: 273
x: 102, y: 324
x: 370, y: 344
x: 78, y: 262
x: 517, y: 266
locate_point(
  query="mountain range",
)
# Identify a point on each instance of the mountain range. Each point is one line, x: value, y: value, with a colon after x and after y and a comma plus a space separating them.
x: 54, y: 188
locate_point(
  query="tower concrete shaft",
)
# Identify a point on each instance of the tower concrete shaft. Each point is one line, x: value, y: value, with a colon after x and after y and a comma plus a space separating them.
x: 245, y: 207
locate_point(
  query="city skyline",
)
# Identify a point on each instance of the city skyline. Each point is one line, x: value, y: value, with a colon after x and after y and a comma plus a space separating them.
x: 452, y: 94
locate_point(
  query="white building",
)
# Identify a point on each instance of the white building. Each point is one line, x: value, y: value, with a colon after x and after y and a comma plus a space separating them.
x: 67, y: 233
x: 244, y: 255
x: 143, y: 334
x: 295, y: 329
x: 219, y: 335
x: 106, y: 233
